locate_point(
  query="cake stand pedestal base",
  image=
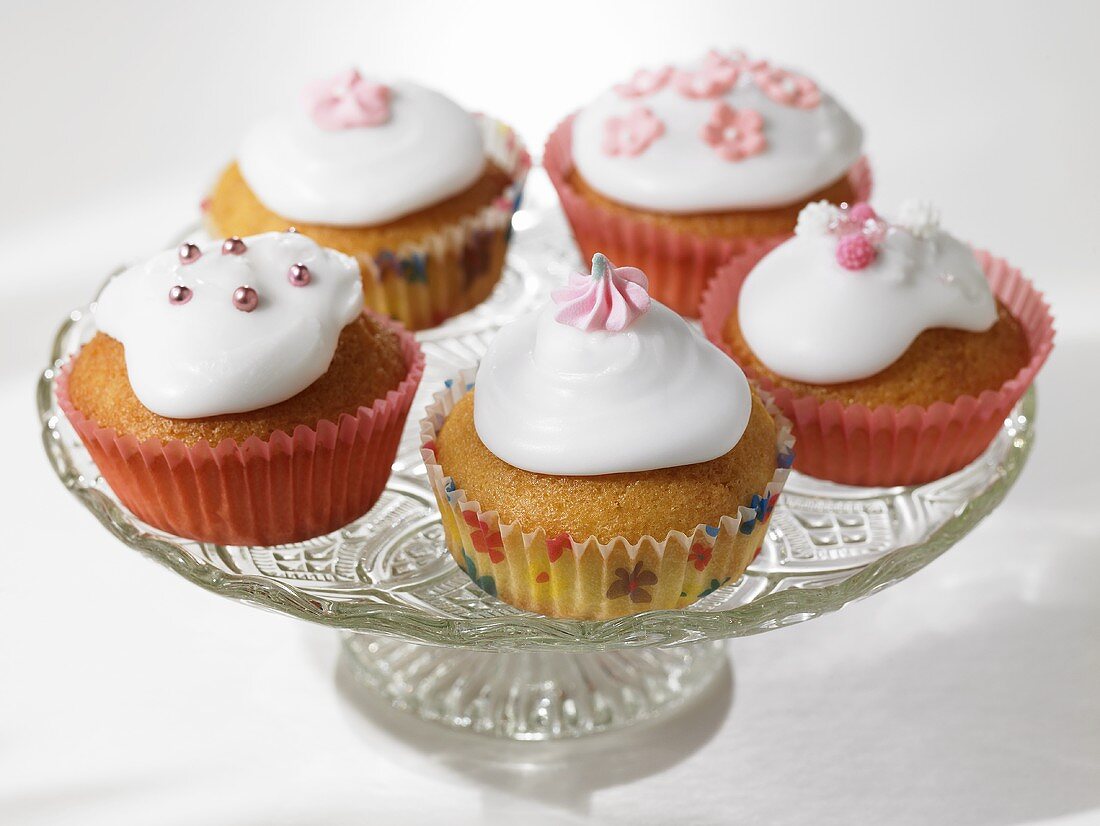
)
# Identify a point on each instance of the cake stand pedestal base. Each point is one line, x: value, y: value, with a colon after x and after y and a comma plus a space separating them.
x: 533, y: 695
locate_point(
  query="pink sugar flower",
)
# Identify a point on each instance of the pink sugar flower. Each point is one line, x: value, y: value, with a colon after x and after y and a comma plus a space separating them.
x: 645, y: 82
x: 631, y: 135
x: 347, y: 100
x: 786, y: 87
x: 610, y: 299
x: 735, y: 134
x: 716, y: 77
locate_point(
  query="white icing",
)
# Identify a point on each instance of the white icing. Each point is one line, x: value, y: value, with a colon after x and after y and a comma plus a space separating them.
x: 809, y: 319
x: 554, y: 399
x: 679, y: 172
x: 428, y: 150
x: 205, y: 357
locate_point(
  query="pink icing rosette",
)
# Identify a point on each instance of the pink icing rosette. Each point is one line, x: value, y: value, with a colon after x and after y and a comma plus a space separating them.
x: 347, y: 100
x: 679, y: 264
x: 610, y: 299
x: 883, y: 446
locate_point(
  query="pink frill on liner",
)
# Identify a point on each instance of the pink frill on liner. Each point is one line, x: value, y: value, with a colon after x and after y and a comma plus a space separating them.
x: 678, y: 264
x: 285, y: 488
x: 882, y: 446
x: 346, y: 101
x: 609, y: 299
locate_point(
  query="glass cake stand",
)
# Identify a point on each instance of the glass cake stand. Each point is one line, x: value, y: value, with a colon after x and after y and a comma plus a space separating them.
x: 418, y: 631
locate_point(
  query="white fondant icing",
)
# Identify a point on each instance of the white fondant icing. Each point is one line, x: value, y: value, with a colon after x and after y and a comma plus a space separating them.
x: 205, y: 357
x: 428, y: 150
x: 554, y: 399
x: 807, y: 149
x: 809, y: 319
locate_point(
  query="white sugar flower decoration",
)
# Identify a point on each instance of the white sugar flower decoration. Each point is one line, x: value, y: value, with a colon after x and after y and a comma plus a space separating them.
x: 817, y: 219
x: 921, y: 218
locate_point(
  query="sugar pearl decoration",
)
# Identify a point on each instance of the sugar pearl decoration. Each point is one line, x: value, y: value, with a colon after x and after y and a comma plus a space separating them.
x: 817, y: 219
x: 299, y: 275
x: 245, y: 299
x: 233, y: 246
x: 179, y: 294
x: 189, y: 253
x: 919, y: 217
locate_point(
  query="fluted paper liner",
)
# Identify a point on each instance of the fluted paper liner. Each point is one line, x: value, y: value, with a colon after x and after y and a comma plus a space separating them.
x: 884, y: 445
x: 447, y: 272
x: 678, y: 264
x: 285, y: 488
x: 583, y: 578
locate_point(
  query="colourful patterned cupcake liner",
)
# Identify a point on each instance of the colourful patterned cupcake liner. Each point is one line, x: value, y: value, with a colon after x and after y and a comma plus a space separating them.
x: 561, y: 576
x: 285, y: 488
x: 883, y: 446
x: 678, y: 264
x: 422, y: 284
x: 455, y: 269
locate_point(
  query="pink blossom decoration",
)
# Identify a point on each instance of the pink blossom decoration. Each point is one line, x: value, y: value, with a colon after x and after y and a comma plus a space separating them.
x: 786, y: 87
x: 631, y: 135
x: 610, y: 299
x: 645, y: 82
x: 347, y: 100
x: 735, y: 134
x: 716, y: 77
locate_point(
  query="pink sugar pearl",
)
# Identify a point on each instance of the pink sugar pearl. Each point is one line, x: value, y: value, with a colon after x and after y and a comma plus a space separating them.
x: 854, y: 252
x: 245, y: 299
x: 862, y: 212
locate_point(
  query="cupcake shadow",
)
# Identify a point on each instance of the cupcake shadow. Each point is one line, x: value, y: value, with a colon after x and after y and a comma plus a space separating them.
x: 561, y: 774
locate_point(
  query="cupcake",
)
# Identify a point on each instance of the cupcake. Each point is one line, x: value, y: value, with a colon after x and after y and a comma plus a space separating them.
x: 680, y: 168
x: 895, y: 349
x: 398, y: 176
x: 237, y: 392
x: 610, y: 460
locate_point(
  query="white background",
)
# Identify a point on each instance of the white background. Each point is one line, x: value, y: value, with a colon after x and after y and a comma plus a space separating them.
x: 968, y: 694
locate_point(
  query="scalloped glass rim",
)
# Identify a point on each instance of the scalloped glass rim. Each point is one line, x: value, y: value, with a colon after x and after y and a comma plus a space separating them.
x: 521, y: 631
x: 798, y: 590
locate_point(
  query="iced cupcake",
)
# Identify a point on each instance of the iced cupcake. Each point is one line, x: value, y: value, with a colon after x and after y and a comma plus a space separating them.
x: 610, y: 461
x: 236, y: 391
x: 398, y: 176
x: 679, y: 168
x: 895, y: 349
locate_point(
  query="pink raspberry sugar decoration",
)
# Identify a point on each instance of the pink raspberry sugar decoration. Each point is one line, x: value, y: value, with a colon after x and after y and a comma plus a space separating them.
x: 855, y: 252
x: 862, y: 212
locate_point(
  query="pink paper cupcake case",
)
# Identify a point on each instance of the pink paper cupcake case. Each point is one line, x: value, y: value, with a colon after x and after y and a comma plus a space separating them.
x: 679, y: 265
x: 857, y: 445
x: 285, y: 488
